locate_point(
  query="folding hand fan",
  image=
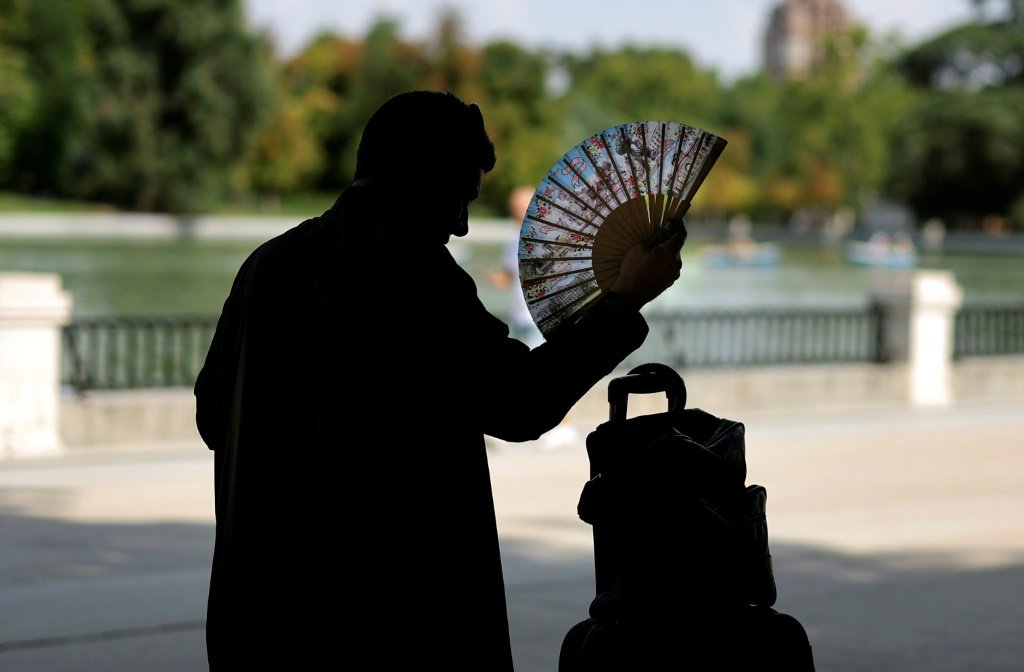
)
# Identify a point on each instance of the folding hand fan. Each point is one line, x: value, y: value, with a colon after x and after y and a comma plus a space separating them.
x: 611, y: 191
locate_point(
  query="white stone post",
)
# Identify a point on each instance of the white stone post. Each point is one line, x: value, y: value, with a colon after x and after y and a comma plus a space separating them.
x: 33, y: 308
x: 937, y: 299
x: 918, y: 312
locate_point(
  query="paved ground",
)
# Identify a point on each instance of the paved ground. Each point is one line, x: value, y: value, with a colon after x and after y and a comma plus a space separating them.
x: 898, y: 539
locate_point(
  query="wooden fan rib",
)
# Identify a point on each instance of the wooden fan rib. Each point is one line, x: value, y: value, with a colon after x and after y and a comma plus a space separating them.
x: 610, y: 188
x: 563, y: 290
x: 554, y: 243
x: 693, y: 153
x: 568, y: 308
x: 593, y: 191
x: 661, y: 160
x: 535, y: 271
x: 611, y: 269
x: 572, y: 194
x: 625, y: 140
x: 679, y: 208
x: 581, y: 220
x: 653, y: 157
x: 641, y: 221
x: 642, y: 129
x: 656, y: 204
x: 707, y: 163
x: 575, y: 310
x: 623, y: 186
x: 678, y: 183
x: 619, y: 245
x: 532, y: 269
x: 536, y: 280
x: 545, y: 260
x: 559, y: 226
x: 675, y: 160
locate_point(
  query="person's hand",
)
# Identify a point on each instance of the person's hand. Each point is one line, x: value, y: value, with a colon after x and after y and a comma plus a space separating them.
x: 649, y: 268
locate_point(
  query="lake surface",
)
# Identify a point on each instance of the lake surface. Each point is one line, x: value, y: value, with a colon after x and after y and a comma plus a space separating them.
x: 132, y: 277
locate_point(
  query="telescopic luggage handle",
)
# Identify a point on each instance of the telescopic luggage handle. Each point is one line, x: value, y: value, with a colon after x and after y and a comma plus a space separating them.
x: 646, y: 379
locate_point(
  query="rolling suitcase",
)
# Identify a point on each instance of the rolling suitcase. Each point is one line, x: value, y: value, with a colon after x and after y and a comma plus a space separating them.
x: 682, y: 564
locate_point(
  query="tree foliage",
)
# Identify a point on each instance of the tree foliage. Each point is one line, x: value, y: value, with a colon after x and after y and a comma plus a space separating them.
x: 18, y: 92
x: 960, y: 151
x: 47, y: 49
x: 146, y: 104
x: 522, y: 119
x: 168, y: 105
x: 960, y: 155
x: 177, y: 91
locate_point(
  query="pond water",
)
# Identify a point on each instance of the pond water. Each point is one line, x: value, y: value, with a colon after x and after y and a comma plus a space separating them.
x: 131, y: 277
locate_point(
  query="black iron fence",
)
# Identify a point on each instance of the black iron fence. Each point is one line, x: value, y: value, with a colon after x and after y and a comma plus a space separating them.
x: 109, y: 353
x: 168, y: 351
x: 761, y: 337
x: 989, y: 330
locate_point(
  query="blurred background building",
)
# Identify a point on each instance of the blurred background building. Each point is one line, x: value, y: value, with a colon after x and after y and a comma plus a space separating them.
x: 794, y: 40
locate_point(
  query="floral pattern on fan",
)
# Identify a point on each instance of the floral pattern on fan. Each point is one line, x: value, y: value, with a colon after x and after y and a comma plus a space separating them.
x: 609, y: 192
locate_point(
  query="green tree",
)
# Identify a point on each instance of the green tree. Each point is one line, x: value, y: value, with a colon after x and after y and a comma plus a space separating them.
x: 18, y: 93
x: 960, y: 153
x: 521, y: 119
x: 341, y: 82
x: 633, y: 83
x: 285, y: 156
x: 730, y: 189
x: 822, y: 139
x: 1014, y: 9
x: 647, y: 83
x: 970, y: 57
x: 178, y: 91
x: 47, y: 81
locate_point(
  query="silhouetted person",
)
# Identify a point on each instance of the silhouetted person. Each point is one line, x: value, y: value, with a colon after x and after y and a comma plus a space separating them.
x: 346, y: 394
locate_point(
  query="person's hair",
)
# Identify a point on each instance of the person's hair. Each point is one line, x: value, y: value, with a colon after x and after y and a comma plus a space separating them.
x: 424, y: 134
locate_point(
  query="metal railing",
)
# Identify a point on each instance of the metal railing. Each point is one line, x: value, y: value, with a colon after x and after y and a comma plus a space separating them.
x: 737, y: 338
x: 989, y: 330
x: 108, y: 353
x: 168, y: 351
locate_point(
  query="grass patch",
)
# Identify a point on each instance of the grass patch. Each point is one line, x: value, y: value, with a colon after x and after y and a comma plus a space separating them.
x: 14, y: 202
x: 299, y: 206
x: 306, y: 205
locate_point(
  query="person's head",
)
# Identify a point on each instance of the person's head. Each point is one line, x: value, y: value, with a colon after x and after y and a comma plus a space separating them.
x: 431, y: 149
x: 519, y: 203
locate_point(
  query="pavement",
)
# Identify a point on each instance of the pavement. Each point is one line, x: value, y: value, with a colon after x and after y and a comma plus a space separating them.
x: 897, y: 535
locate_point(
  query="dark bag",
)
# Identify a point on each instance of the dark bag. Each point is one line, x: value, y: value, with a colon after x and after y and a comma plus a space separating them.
x: 692, y: 641
x: 673, y: 518
x: 682, y: 563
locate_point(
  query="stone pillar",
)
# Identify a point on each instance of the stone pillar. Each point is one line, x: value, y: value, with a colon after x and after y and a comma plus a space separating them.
x: 918, y: 314
x: 33, y: 308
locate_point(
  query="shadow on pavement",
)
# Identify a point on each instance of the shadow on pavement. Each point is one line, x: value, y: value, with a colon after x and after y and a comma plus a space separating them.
x: 132, y: 596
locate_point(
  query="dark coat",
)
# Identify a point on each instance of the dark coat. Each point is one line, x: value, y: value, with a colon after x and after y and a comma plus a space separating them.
x: 351, y: 380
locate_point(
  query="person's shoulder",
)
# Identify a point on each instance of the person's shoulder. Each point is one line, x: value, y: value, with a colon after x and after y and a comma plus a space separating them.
x: 299, y: 232
x: 278, y: 249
